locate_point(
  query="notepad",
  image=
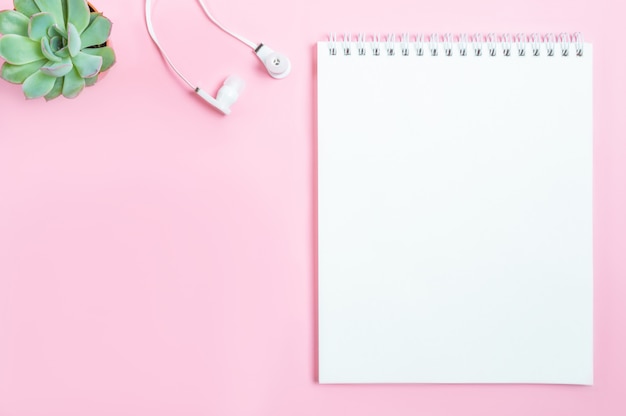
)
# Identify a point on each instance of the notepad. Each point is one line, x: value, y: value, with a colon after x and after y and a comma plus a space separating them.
x: 455, y: 209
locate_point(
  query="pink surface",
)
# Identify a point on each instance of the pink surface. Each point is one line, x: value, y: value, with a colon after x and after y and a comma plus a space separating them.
x: 157, y: 258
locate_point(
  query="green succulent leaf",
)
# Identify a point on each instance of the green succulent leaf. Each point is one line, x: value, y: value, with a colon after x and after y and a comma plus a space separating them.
x: 97, y: 32
x: 19, y: 50
x: 78, y: 14
x: 56, y: 30
x: 17, y: 74
x: 37, y: 85
x: 57, y: 69
x: 73, y: 40
x: 39, y: 24
x: 73, y: 84
x: 93, y: 15
x: 91, y: 81
x: 13, y: 23
x: 56, y: 43
x: 26, y: 7
x: 54, y: 7
x: 87, y: 65
x: 47, y: 51
x: 56, y: 90
x: 63, y: 52
x: 107, y: 54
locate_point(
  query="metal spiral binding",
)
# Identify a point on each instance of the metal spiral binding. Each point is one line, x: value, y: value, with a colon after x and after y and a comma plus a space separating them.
x: 390, y: 44
x: 360, y: 44
x: 565, y: 42
x: 578, y: 42
x: 521, y: 41
x: 433, y: 45
x: 405, y: 44
x: 463, y: 44
x: 550, y: 41
x: 478, y: 44
x: 536, y: 43
x: 347, y: 41
x: 448, y: 39
x: 376, y: 45
x: 332, y: 48
x: 419, y: 45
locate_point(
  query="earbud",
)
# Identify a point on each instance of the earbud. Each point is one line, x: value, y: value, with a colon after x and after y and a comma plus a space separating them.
x: 226, y: 96
x: 277, y: 64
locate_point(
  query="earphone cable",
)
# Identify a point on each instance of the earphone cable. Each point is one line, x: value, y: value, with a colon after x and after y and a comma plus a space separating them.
x: 158, y: 45
x: 240, y: 38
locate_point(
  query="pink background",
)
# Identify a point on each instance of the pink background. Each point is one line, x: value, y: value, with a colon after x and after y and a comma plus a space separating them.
x: 157, y: 258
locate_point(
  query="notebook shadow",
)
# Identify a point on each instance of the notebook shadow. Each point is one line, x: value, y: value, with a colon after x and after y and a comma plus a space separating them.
x: 314, y: 218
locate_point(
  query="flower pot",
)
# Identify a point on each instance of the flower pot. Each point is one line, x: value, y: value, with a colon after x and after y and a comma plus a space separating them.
x: 102, y: 74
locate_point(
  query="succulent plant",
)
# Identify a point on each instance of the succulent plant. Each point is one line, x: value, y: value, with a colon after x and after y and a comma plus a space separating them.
x: 54, y: 47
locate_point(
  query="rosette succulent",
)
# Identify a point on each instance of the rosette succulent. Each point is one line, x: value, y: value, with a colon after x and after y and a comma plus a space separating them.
x: 54, y: 47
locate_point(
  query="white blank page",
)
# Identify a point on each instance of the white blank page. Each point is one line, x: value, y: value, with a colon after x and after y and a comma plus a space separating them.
x: 455, y: 222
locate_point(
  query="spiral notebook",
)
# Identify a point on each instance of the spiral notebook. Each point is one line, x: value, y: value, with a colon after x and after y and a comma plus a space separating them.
x: 455, y: 209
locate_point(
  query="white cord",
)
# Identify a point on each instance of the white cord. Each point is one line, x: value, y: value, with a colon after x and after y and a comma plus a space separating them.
x: 233, y: 34
x: 156, y: 42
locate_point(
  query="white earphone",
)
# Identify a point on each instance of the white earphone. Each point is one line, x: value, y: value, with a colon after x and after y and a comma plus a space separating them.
x: 277, y: 65
x: 226, y: 96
